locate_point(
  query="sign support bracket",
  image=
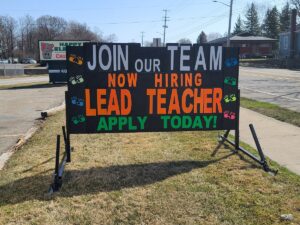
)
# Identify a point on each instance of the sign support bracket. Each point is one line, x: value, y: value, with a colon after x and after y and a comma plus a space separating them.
x: 260, y: 160
x: 60, y: 167
x: 236, y: 144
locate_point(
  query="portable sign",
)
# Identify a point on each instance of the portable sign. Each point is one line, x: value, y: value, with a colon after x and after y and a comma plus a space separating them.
x: 115, y: 87
x: 56, y: 50
x: 128, y: 88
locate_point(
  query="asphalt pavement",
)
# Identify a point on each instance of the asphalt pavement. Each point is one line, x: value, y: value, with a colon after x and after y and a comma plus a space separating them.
x: 277, y: 86
x: 20, y: 107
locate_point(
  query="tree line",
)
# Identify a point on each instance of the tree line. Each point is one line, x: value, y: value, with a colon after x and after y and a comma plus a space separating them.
x: 20, y: 38
x: 274, y: 22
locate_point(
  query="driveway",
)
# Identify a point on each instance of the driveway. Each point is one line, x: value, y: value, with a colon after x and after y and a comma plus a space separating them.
x: 278, y: 86
x: 20, y: 107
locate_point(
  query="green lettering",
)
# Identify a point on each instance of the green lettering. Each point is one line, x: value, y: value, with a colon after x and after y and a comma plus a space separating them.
x: 165, y: 119
x: 197, y: 122
x: 112, y: 121
x: 142, y: 121
x: 122, y: 122
x: 186, y: 122
x: 176, y: 122
x: 130, y: 124
x: 102, y: 125
x: 207, y: 120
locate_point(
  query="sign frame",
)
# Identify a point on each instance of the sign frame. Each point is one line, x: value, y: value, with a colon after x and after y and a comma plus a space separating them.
x: 67, y: 131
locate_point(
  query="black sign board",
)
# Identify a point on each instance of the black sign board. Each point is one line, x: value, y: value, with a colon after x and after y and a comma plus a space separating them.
x: 116, y: 87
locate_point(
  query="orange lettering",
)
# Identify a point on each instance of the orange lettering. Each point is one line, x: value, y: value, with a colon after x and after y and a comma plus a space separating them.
x: 207, y: 100
x: 111, y: 80
x: 198, y: 79
x: 88, y: 110
x: 132, y: 79
x: 198, y: 100
x: 217, y: 98
x: 174, y: 78
x: 174, y: 102
x: 113, y: 105
x: 158, y: 80
x: 185, y: 108
x: 101, y: 101
x: 151, y: 93
x: 160, y: 101
x: 125, y: 95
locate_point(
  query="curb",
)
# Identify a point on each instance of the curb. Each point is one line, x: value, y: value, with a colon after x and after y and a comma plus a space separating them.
x: 52, y: 111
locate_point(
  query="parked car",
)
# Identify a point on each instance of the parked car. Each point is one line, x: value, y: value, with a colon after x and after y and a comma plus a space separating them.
x: 4, y: 61
x: 28, y: 61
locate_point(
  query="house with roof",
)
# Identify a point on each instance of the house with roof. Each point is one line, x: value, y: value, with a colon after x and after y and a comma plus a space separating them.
x: 250, y: 46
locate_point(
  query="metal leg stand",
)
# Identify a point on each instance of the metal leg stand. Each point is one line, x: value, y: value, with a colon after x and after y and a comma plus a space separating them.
x: 67, y: 143
x: 60, y: 167
x: 57, y: 179
x: 261, y: 160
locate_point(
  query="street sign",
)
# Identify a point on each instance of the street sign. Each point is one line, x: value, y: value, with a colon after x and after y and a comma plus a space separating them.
x: 116, y: 87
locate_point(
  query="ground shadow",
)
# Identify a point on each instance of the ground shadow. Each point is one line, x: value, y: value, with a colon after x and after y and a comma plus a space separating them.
x: 94, y: 180
x: 34, y: 86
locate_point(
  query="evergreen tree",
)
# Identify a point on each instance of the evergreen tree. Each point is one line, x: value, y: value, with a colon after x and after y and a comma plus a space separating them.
x: 271, y: 26
x: 252, y: 23
x: 285, y: 17
x: 238, y: 28
x: 202, y: 38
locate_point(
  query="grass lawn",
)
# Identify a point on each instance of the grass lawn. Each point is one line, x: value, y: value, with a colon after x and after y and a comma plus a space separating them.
x: 253, y: 60
x: 143, y: 178
x: 272, y: 110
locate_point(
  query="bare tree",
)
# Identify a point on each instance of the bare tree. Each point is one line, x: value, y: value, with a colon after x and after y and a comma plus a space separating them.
x: 27, y: 37
x: 78, y: 31
x: 50, y: 27
x: 8, y: 28
x: 21, y: 39
x: 110, y: 38
x: 184, y: 41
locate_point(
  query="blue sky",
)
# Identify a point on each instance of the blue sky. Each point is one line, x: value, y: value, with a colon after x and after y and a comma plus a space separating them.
x: 127, y: 19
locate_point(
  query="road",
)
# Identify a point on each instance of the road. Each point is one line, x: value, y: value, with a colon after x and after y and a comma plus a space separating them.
x: 23, y: 80
x: 20, y: 107
x: 278, y: 86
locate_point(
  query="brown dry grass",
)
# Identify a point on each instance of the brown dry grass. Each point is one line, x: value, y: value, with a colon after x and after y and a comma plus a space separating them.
x: 143, y: 178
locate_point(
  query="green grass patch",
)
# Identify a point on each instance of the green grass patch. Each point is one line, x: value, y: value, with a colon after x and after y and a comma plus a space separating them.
x: 142, y: 178
x: 272, y: 110
x: 254, y: 60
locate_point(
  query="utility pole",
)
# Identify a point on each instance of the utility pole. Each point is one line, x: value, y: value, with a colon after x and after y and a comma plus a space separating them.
x: 230, y: 15
x: 142, y: 38
x: 165, y: 18
x: 229, y: 24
